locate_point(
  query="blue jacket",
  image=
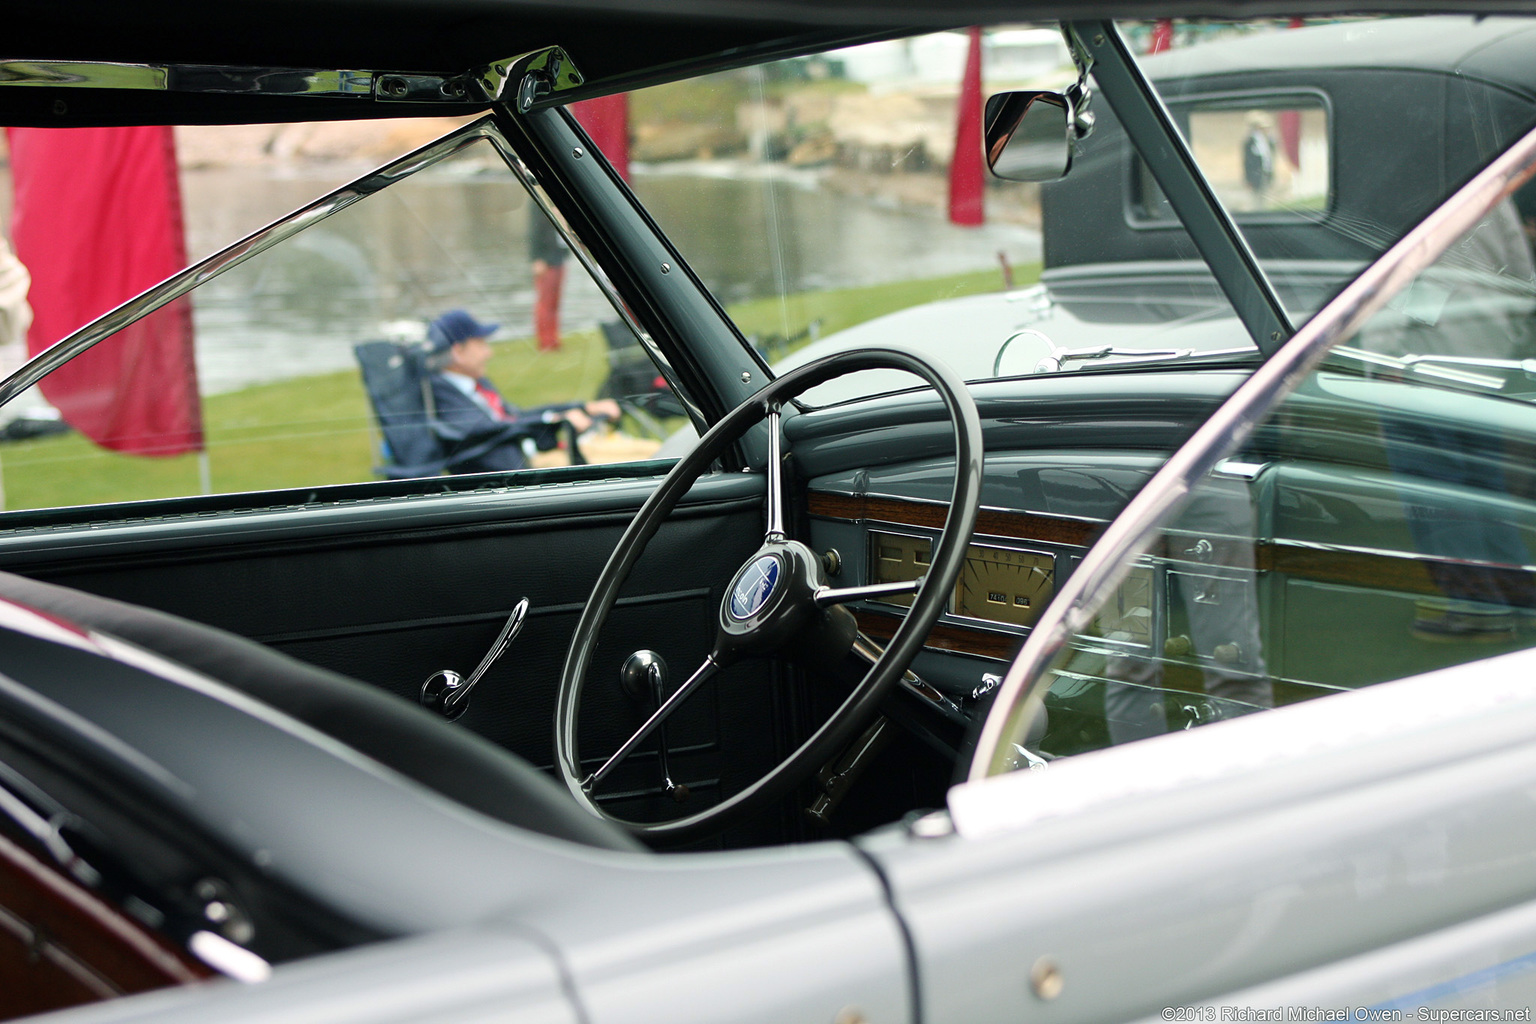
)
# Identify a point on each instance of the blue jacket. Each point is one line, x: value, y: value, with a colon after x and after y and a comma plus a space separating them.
x: 463, y: 425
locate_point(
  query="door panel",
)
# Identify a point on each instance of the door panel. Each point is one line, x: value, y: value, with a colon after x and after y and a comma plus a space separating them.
x: 390, y: 592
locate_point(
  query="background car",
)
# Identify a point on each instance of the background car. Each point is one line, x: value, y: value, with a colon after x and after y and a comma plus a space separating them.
x: 987, y: 697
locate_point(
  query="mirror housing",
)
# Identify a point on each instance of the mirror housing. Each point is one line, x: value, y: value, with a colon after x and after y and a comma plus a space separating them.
x: 1029, y: 135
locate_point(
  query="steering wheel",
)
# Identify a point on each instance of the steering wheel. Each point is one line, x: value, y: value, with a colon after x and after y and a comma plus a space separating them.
x: 779, y: 598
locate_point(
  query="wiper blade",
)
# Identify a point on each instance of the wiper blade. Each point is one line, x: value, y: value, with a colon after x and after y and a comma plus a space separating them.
x: 1059, y: 357
x: 1449, y: 368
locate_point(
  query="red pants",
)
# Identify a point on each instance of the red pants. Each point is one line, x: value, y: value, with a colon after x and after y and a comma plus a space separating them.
x: 546, y: 305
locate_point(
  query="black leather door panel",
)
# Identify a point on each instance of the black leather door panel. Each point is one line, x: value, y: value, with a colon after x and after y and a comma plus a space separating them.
x: 394, y: 591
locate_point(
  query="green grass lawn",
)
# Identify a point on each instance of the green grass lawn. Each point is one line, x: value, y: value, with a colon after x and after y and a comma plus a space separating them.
x: 318, y: 430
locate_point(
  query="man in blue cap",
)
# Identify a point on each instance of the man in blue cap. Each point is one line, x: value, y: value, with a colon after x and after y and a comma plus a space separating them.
x: 469, y: 404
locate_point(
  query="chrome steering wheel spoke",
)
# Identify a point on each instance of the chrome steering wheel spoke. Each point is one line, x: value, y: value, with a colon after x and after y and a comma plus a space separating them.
x: 775, y: 477
x: 828, y: 596
x: 660, y: 715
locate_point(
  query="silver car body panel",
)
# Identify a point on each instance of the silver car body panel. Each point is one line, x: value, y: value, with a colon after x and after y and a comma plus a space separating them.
x: 1197, y: 867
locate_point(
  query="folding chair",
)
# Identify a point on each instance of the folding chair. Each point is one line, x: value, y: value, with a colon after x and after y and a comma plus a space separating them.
x: 415, y: 442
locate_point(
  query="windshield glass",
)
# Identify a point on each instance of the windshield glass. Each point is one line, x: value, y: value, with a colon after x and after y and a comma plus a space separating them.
x: 1379, y: 524
x: 839, y: 201
x: 438, y: 325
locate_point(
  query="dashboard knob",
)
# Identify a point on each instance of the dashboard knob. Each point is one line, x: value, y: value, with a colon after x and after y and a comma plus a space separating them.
x: 1228, y: 654
x: 1177, y: 646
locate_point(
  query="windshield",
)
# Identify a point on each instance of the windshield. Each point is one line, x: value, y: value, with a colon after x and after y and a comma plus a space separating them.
x: 839, y: 201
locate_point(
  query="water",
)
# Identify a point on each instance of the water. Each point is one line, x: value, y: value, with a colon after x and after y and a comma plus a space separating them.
x: 456, y: 236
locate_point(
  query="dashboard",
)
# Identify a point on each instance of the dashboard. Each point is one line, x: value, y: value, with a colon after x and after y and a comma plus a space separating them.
x: 1040, y: 513
x: 1284, y: 578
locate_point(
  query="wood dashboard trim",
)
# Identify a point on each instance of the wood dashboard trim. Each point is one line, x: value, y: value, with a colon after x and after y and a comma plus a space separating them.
x: 1401, y: 572
x: 994, y: 522
x: 882, y: 626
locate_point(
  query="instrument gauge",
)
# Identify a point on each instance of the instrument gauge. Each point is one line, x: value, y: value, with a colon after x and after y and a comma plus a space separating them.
x: 897, y: 558
x: 1005, y: 585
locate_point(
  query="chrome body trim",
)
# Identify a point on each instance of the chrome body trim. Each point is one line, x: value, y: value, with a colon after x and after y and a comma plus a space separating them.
x: 537, y: 74
x: 1134, y: 530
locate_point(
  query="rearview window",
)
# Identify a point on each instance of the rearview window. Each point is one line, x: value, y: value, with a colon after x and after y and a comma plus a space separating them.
x: 1262, y: 155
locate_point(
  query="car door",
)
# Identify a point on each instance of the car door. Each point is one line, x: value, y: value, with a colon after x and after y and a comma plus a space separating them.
x: 293, y: 521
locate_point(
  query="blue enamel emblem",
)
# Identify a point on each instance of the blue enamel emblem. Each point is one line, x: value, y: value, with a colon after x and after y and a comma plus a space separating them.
x: 754, y: 588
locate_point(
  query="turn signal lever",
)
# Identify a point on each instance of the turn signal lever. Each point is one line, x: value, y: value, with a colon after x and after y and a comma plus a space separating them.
x: 447, y: 692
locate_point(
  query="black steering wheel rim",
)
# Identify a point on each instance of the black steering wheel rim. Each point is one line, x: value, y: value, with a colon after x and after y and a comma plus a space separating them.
x: 948, y: 558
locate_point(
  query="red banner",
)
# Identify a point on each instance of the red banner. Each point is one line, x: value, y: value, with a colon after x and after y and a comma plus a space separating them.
x: 97, y: 220
x: 606, y: 120
x: 966, y: 179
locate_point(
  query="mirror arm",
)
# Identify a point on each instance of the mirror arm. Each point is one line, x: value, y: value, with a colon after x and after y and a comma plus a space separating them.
x: 1080, y: 93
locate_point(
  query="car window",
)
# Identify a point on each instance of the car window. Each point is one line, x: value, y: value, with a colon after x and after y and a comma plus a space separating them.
x: 1380, y: 524
x: 821, y: 199
x: 813, y: 197
x: 1327, y: 139
x: 1264, y: 155
x: 337, y: 355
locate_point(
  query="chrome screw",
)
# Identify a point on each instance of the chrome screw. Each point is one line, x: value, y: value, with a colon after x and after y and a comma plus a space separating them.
x: 576, y: 152
x: 666, y: 268
x: 746, y: 376
x: 1045, y: 979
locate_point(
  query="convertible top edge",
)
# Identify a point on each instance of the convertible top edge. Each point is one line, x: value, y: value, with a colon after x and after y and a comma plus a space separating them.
x: 619, y: 44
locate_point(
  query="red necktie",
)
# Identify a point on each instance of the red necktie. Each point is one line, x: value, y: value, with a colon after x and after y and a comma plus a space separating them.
x: 498, y: 408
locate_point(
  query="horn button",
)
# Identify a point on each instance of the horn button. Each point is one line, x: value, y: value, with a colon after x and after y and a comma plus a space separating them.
x: 771, y: 602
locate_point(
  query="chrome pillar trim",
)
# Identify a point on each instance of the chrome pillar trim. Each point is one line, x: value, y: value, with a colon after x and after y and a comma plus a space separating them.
x: 775, y: 477
x: 177, y: 285
x: 600, y: 278
x: 1135, y: 529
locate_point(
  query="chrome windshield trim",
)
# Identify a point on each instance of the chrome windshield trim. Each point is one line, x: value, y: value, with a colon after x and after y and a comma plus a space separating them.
x: 177, y: 285
x: 551, y: 68
x: 1152, y: 132
x: 1135, y: 529
x: 254, y: 81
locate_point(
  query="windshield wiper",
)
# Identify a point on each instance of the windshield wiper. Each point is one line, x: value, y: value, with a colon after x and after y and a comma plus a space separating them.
x: 1444, y: 367
x: 1134, y: 356
x: 1059, y: 357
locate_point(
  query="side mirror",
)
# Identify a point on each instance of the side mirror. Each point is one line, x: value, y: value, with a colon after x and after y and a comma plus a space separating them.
x: 1029, y: 135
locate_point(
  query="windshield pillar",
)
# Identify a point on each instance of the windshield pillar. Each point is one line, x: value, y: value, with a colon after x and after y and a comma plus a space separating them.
x: 1152, y: 132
